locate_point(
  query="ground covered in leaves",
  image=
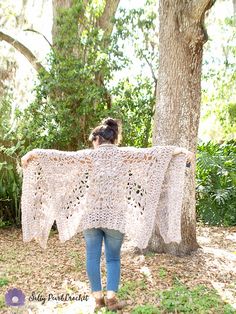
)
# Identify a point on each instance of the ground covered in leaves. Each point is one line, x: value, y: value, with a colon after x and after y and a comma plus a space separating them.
x: 151, y: 284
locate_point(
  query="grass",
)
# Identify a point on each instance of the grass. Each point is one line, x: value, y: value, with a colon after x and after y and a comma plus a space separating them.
x: 104, y: 311
x: 2, y: 302
x: 78, y: 261
x: 130, y: 288
x: 178, y: 299
x: 146, y: 309
x: 127, y: 290
x: 200, y: 299
x: 3, y: 282
x: 143, y: 284
x: 150, y: 254
x: 2, y: 258
x: 169, y: 291
x: 162, y: 272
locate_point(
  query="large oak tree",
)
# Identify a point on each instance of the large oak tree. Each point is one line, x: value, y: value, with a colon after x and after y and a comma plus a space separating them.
x: 182, y: 35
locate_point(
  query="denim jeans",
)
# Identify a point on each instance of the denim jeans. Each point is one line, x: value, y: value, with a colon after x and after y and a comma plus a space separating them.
x: 113, y: 240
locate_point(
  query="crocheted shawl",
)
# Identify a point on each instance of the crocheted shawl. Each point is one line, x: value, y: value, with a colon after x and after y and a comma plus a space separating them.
x: 124, y: 188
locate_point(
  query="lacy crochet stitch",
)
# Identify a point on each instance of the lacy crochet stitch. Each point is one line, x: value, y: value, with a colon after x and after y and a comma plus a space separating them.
x: 124, y: 188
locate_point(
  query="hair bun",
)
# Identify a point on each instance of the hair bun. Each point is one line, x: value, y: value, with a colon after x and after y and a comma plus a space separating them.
x: 112, y: 123
x: 109, y: 130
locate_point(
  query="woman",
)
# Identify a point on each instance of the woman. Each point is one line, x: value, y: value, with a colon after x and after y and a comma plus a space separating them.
x: 107, y: 133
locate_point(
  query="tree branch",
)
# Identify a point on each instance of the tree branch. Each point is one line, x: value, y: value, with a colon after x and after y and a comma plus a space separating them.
x: 104, y: 21
x: 36, y: 32
x: 199, y: 7
x: 151, y: 69
x: 23, y: 50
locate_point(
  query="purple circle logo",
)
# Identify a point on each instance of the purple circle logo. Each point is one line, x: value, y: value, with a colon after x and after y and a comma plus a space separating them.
x: 15, y: 297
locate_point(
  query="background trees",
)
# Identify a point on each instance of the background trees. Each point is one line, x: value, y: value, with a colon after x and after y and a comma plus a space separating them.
x: 218, y: 97
x: 83, y: 79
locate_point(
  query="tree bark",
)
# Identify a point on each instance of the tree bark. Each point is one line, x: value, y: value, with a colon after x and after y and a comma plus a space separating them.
x: 105, y: 20
x: 23, y: 50
x: 57, y: 5
x: 181, y: 38
x: 106, y: 24
x: 234, y: 5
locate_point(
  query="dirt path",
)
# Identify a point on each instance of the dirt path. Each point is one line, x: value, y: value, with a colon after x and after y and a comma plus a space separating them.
x: 61, y: 269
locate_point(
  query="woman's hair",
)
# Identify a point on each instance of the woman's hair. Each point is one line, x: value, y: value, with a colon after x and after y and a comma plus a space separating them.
x: 108, y: 131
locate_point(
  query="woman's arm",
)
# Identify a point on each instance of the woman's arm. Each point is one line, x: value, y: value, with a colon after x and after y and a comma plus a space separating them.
x: 55, y: 154
x: 142, y: 155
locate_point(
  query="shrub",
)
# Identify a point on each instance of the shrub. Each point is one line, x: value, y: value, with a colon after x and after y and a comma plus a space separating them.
x: 216, y: 183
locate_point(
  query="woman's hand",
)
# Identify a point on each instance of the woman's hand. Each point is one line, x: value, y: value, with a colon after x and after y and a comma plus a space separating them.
x: 27, y: 157
x: 181, y: 150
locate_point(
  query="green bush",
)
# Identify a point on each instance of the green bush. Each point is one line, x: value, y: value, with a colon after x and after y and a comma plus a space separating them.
x: 134, y: 104
x: 10, y: 186
x: 216, y: 183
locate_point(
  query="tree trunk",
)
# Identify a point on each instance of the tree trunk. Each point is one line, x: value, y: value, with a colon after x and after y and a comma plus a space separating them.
x: 105, y: 23
x: 57, y: 6
x: 234, y: 5
x: 105, y: 20
x: 181, y: 38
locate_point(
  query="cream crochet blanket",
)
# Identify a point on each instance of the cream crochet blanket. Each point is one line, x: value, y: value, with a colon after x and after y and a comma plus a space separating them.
x: 124, y: 188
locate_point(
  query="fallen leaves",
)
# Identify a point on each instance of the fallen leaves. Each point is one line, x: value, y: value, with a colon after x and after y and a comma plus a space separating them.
x: 62, y: 269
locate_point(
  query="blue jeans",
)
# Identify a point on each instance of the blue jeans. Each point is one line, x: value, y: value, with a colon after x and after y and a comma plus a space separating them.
x: 113, y: 240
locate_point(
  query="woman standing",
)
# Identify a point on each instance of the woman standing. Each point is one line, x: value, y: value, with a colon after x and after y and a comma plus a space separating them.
x: 107, y: 134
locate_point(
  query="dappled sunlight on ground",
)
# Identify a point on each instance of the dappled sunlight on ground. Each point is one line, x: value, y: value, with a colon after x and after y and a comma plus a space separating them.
x: 53, y: 307
x: 61, y: 269
x: 219, y: 246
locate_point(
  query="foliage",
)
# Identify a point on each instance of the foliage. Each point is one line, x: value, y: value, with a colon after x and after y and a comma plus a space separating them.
x: 74, y: 94
x: 3, y: 281
x: 5, y: 115
x: 181, y: 299
x: 138, y: 29
x: 135, y: 100
x: 162, y: 272
x: 10, y: 186
x: 72, y: 97
x: 145, y: 309
x: 105, y: 311
x: 136, y: 103
x: 10, y: 181
x: 2, y: 302
x: 219, y: 82
x: 200, y: 299
x: 216, y: 183
x: 127, y: 289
